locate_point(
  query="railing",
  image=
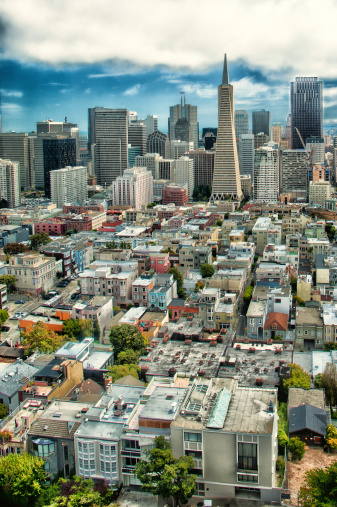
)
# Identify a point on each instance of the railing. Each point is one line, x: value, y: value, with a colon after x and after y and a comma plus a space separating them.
x: 131, y: 453
x: 128, y: 470
x: 249, y: 464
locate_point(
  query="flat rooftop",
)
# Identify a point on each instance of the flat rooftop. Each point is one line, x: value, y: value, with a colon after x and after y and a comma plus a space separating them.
x: 309, y: 316
x: 159, y: 405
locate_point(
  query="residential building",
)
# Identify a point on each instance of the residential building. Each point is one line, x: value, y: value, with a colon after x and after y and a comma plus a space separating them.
x: 187, y: 113
x: 99, y: 308
x: 210, y: 419
x: 272, y: 274
x: 309, y: 329
x: 226, y: 178
x: 266, y: 174
x: 13, y: 377
x: 229, y: 280
x: 160, y: 262
x: 183, y: 174
x: 319, y: 192
x: 280, y: 300
x: 293, y: 173
x: 69, y: 185
x: 246, y: 155
x: 164, y: 290
x: 134, y: 188
x: 108, y: 141
x: 141, y: 288
x: 10, y: 183
x: 330, y: 322
x: 306, y: 101
x: 260, y: 232
x: 34, y: 273
x: 174, y: 194
x: 275, y: 326
x: 241, y: 122
x: 261, y: 122
x: 282, y: 253
x: 13, y: 234
x: 317, y: 246
x: 256, y: 318
x: 63, y: 253
x: 195, y: 256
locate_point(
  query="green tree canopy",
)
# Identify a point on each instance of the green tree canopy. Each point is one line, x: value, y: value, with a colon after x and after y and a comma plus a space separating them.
x: 319, y: 487
x: 180, y: 281
x: 122, y: 370
x: 41, y: 238
x: 162, y: 474
x: 125, y: 337
x: 15, y: 248
x: 77, y: 328
x: 298, y: 378
x: 329, y: 383
x: 96, y: 330
x: 21, y: 478
x: 42, y: 338
x: 8, y: 280
x: 207, y: 270
x: 3, y: 316
x: 128, y: 356
x: 3, y: 411
x: 297, y: 448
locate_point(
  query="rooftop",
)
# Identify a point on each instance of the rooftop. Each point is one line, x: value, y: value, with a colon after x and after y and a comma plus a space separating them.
x: 163, y: 403
x: 308, y: 316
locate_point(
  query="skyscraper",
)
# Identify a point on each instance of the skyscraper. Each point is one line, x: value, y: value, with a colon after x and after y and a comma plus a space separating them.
x: 293, y: 173
x: 306, y: 102
x: 18, y: 148
x: 156, y: 143
x: 183, y: 174
x: 226, y: 179
x: 241, y: 122
x: 137, y: 136
x: 69, y: 185
x: 266, y: 174
x: 261, y: 122
x: 134, y: 188
x: 108, y: 139
x: 246, y: 154
x: 188, y: 113
x: 10, y: 182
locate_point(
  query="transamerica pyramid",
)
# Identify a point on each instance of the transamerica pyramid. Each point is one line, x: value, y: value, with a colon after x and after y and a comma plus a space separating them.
x: 226, y: 178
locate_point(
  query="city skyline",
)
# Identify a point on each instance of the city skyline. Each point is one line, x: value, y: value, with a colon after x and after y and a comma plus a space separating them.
x: 54, y: 67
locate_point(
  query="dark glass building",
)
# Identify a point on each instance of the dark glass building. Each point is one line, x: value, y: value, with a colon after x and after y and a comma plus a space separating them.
x: 156, y: 143
x: 306, y: 102
x: 261, y: 122
x: 57, y: 153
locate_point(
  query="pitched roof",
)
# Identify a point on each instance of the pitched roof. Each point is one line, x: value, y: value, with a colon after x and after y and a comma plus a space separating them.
x: 307, y: 417
x: 129, y: 380
x: 54, y: 429
x: 278, y: 320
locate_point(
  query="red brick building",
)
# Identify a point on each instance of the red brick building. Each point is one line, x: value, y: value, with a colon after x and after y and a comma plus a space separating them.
x: 174, y: 194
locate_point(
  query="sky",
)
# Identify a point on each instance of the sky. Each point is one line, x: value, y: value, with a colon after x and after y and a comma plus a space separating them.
x: 59, y: 58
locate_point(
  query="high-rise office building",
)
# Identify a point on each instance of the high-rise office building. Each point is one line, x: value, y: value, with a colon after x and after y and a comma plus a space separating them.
x: 203, y: 166
x: 60, y: 128
x: 209, y: 140
x: 52, y: 152
x: 241, y: 122
x: 165, y: 168
x: 226, y: 179
x: 266, y: 174
x: 137, y: 136
x: 188, y: 113
x: 18, y: 147
x: 260, y: 140
x: 261, y: 122
x: 246, y: 154
x: 108, y: 131
x: 306, y: 102
x: 176, y: 148
x: 316, y: 148
x: 151, y: 162
x: 151, y: 124
x: 134, y: 188
x: 183, y: 174
x: 69, y: 185
x: 293, y: 173
x: 276, y: 132
x: 156, y: 143
x: 10, y: 183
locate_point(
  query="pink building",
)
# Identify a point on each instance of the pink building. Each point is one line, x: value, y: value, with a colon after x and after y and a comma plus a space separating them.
x: 51, y: 227
x: 160, y: 262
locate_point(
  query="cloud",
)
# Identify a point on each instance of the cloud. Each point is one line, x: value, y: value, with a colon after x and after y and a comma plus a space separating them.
x: 202, y: 90
x: 11, y: 93
x: 11, y: 107
x: 277, y: 37
x: 133, y: 90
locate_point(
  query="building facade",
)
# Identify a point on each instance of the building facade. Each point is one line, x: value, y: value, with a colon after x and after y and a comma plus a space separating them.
x: 69, y: 185
x: 306, y: 102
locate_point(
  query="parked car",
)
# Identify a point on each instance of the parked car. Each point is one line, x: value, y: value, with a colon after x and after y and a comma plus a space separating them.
x: 5, y: 328
x: 14, y: 317
x: 19, y: 302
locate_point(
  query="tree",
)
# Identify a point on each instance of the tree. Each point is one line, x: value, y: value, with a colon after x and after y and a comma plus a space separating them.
x: 3, y: 411
x: 298, y: 378
x: 330, y: 346
x: 319, y: 487
x: 330, y: 231
x: 331, y: 436
x: 127, y: 356
x: 125, y: 337
x: 293, y: 283
x: 199, y: 286
x: 121, y: 370
x: 43, y: 339
x: 180, y: 281
x: 21, y: 478
x: 10, y: 281
x: 207, y: 270
x: 3, y: 316
x: 41, y: 238
x: 329, y: 383
x: 247, y: 296
x: 162, y: 474
x: 15, y: 248
x: 77, y: 329
x: 282, y: 427
x: 96, y: 330
x: 219, y: 223
x: 297, y: 449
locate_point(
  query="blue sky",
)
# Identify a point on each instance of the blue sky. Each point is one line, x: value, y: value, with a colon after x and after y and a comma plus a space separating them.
x: 58, y: 62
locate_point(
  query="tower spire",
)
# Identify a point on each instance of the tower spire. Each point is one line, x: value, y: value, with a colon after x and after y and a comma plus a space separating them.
x: 225, y: 78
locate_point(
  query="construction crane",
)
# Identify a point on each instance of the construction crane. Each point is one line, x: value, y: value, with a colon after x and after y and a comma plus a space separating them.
x: 299, y: 135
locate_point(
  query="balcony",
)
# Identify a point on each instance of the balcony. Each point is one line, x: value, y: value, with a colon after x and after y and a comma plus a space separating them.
x: 131, y: 453
x: 247, y: 464
x: 129, y: 470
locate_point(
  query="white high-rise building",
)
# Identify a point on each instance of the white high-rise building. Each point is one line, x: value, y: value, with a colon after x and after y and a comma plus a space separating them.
x: 151, y: 123
x: 151, y: 162
x: 69, y: 185
x: 10, y: 182
x: 183, y: 174
x: 266, y: 174
x: 134, y: 188
x: 246, y: 154
x: 319, y: 192
x: 176, y: 148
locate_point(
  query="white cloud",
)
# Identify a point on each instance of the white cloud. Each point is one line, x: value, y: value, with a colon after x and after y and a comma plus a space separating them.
x: 11, y: 93
x: 278, y: 37
x: 11, y: 107
x: 133, y: 90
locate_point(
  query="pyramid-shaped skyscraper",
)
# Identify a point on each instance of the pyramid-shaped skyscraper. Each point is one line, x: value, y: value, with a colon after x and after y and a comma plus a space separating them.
x: 226, y: 178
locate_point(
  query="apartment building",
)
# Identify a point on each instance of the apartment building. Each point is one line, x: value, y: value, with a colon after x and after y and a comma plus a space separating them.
x: 195, y: 256
x: 163, y: 291
x: 141, y: 289
x: 34, y: 273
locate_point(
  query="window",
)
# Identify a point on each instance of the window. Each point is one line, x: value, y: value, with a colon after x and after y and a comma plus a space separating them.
x: 65, y: 453
x: 247, y: 456
x: 131, y: 444
x: 43, y: 448
x: 247, y: 478
x: 200, y: 489
x: 192, y: 437
x: 194, y: 454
